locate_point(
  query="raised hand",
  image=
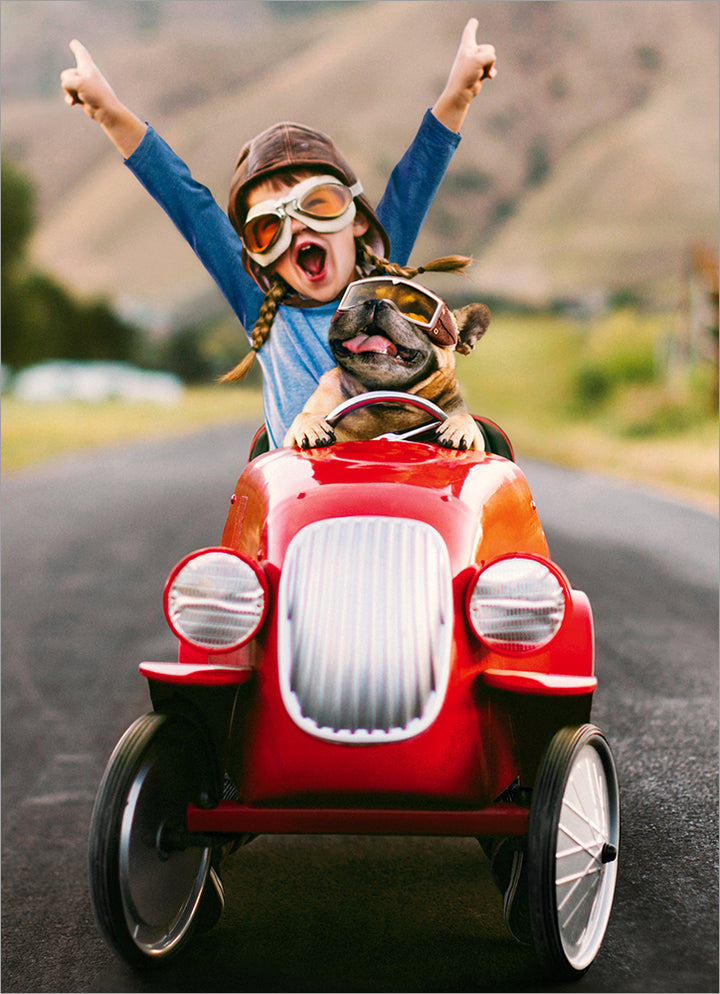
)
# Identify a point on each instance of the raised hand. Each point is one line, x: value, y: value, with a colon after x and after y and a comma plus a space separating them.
x: 86, y: 86
x: 473, y: 64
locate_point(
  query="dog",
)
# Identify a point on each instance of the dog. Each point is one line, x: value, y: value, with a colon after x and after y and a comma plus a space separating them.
x: 377, y: 347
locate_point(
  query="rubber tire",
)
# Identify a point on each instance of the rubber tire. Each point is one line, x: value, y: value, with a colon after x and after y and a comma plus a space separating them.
x: 144, y: 899
x: 576, y: 757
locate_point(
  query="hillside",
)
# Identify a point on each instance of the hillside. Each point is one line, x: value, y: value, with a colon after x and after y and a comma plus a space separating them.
x: 589, y: 164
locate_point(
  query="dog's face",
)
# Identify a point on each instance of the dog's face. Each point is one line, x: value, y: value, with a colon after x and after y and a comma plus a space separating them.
x: 385, y: 351
x: 374, y: 342
x: 377, y: 348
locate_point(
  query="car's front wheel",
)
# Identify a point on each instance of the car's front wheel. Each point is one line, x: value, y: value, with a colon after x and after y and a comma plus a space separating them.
x: 145, y: 888
x: 573, y: 843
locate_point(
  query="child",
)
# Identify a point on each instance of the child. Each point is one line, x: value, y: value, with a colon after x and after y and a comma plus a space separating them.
x: 292, y: 243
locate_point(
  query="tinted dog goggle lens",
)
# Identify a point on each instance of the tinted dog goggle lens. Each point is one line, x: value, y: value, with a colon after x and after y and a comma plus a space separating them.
x: 325, y: 201
x: 416, y: 304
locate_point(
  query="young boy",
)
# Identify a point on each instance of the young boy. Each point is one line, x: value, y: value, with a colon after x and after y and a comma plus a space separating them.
x: 326, y: 236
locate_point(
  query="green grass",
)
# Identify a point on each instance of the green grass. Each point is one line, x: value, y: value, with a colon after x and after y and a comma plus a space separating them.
x: 32, y: 433
x: 595, y: 395
x: 589, y: 395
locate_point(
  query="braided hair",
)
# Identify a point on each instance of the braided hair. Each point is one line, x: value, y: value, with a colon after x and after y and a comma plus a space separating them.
x: 261, y: 331
x: 446, y: 264
x: 367, y: 260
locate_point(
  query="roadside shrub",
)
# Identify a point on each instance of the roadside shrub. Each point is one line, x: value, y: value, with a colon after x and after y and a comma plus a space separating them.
x: 620, y: 351
x: 657, y: 413
x: 593, y: 386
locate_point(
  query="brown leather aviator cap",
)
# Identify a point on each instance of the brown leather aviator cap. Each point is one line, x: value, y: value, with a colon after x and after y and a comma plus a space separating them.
x: 288, y: 145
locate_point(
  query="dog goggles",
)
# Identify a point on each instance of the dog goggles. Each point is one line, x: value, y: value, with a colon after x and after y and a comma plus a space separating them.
x: 420, y: 306
x: 322, y: 203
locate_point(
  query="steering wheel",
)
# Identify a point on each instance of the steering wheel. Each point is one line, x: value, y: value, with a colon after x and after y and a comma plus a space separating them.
x: 390, y: 397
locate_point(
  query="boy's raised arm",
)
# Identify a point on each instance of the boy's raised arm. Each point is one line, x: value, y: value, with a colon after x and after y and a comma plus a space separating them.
x: 86, y: 86
x: 473, y: 64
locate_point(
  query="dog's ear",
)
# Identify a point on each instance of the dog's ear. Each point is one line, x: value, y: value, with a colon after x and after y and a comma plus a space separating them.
x: 472, y: 323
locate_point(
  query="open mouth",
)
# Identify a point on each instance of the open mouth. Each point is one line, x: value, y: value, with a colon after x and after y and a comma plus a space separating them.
x: 311, y: 259
x: 377, y: 345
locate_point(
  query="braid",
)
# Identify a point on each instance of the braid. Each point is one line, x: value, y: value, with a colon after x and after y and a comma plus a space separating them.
x: 261, y: 332
x: 446, y: 264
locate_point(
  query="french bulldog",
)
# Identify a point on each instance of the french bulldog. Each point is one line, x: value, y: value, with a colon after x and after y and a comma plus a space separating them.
x: 377, y: 348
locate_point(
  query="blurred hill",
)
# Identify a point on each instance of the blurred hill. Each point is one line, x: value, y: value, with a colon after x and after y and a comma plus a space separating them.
x: 588, y: 166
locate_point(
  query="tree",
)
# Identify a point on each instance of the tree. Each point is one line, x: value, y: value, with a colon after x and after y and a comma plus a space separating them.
x: 40, y: 318
x: 18, y: 215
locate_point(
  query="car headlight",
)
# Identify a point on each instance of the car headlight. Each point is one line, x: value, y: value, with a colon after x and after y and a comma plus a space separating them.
x: 517, y: 604
x: 215, y: 599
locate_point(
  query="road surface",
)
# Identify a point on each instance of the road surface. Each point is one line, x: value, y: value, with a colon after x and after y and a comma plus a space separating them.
x: 87, y: 543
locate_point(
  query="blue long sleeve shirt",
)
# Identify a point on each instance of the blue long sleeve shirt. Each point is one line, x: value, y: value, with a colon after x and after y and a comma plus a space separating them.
x: 297, y: 353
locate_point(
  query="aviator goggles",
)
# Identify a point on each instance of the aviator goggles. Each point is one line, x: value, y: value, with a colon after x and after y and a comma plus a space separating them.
x: 420, y: 306
x: 322, y: 203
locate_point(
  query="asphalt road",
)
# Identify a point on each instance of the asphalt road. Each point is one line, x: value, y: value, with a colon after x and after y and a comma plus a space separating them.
x: 86, y: 545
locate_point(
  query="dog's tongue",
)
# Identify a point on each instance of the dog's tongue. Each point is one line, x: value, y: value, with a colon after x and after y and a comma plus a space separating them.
x: 370, y: 343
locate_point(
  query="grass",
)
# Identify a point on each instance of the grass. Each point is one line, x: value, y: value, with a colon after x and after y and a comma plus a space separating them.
x: 33, y: 432
x: 596, y: 396
x: 589, y: 395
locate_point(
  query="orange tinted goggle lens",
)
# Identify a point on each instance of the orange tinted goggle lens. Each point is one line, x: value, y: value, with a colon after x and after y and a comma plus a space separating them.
x: 412, y: 302
x: 325, y: 202
x: 262, y: 231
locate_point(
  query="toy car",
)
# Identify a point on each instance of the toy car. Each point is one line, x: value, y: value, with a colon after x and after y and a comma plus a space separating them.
x: 380, y: 644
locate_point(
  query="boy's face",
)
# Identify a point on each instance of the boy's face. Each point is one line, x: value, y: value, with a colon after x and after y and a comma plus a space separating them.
x: 318, y: 265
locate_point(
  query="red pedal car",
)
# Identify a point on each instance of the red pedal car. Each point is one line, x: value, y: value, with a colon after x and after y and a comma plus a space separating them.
x: 379, y: 644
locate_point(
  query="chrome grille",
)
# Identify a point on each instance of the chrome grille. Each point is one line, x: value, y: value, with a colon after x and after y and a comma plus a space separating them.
x: 365, y: 626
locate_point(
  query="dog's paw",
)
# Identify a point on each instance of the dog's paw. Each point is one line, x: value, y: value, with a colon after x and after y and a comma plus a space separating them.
x: 460, y: 431
x: 309, y: 431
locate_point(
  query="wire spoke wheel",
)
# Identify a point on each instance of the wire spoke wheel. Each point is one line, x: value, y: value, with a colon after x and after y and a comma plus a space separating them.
x: 144, y: 888
x: 574, y: 839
